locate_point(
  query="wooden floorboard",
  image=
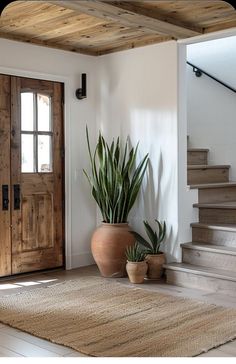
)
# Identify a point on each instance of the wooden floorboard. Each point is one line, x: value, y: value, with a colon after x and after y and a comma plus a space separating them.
x: 44, y: 344
x: 4, y: 352
x: 22, y: 347
x: 14, y: 343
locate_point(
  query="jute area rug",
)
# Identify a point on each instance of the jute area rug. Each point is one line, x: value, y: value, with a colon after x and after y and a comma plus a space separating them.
x: 101, y: 317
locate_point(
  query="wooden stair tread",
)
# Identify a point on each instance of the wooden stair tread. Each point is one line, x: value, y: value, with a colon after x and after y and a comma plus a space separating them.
x: 215, y: 246
x: 225, y: 227
x: 230, y: 205
x: 210, y: 248
x: 203, y: 271
x: 198, y: 150
x: 213, y: 185
x: 206, y: 166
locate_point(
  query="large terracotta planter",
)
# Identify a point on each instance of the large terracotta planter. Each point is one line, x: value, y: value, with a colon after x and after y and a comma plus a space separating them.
x: 155, y: 265
x: 109, y: 243
x: 136, y: 271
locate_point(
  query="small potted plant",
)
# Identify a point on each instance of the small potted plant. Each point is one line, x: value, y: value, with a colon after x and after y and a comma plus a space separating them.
x: 136, y: 265
x: 154, y: 257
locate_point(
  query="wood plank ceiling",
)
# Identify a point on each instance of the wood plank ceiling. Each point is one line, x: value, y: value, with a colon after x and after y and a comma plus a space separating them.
x: 99, y: 27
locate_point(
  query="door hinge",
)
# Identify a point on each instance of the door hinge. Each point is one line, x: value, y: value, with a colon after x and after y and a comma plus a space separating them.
x: 62, y: 152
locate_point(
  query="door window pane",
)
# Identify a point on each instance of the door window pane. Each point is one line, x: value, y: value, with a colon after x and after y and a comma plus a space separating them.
x: 27, y: 153
x: 36, y: 133
x: 44, y: 112
x: 44, y: 153
x: 27, y: 111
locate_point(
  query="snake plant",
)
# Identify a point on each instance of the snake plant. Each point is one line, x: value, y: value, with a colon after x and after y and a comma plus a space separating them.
x: 151, y: 246
x: 115, y: 181
x: 134, y: 253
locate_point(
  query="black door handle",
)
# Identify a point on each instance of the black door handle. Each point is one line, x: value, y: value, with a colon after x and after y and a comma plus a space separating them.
x: 5, y: 199
x: 16, y: 197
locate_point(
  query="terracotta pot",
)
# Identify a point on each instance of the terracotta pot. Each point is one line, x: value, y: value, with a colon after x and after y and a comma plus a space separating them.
x: 109, y: 243
x: 155, y: 265
x: 136, y: 271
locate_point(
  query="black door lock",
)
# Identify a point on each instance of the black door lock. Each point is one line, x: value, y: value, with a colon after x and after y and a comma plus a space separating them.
x: 5, y: 199
x: 16, y: 197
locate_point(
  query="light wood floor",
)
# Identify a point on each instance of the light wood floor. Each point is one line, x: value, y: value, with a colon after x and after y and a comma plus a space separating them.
x: 14, y: 343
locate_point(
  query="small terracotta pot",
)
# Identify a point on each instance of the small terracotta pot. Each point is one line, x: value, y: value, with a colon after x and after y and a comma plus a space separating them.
x: 109, y: 243
x: 155, y: 265
x: 136, y: 271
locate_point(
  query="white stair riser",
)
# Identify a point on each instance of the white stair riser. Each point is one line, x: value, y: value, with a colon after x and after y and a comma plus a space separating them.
x: 211, y: 175
x: 191, y: 280
x: 198, y: 157
x: 211, y: 236
x: 217, y: 216
x: 209, y: 259
x: 221, y: 194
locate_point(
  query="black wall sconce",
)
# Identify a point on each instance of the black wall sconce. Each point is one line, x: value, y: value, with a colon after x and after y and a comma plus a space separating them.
x: 81, y: 93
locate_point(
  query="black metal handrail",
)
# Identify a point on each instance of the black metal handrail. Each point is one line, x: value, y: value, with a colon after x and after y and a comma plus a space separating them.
x: 198, y: 72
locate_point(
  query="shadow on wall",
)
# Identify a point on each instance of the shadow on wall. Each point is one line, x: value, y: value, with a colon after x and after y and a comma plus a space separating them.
x: 149, y: 207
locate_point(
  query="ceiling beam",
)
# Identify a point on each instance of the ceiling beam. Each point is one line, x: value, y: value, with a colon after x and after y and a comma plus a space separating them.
x: 130, y: 18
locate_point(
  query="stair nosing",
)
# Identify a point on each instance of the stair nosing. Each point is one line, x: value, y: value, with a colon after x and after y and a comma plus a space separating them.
x: 212, y: 248
x: 215, y: 205
x: 213, y: 226
x: 206, y: 166
x: 194, y: 269
x: 198, y: 150
x: 207, y: 247
x: 212, y: 185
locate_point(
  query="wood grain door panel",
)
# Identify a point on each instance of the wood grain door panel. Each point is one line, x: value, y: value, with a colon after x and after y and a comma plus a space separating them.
x: 37, y: 226
x: 32, y: 233
x: 35, y: 260
x: 5, y: 215
x: 37, y: 222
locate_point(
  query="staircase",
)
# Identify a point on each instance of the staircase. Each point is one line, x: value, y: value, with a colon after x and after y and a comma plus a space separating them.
x: 209, y: 261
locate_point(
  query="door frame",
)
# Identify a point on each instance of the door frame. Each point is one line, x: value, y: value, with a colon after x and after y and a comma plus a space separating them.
x: 67, y: 148
x: 186, y: 196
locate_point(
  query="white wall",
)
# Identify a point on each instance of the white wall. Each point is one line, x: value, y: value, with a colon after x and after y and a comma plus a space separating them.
x: 218, y: 56
x: 39, y: 62
x: 211, y: 107
x: 186, y: 196
x: 133, y: 93
x: 138, y: 97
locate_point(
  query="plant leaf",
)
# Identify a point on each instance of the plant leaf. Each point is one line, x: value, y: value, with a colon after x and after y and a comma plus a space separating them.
x: 114, y: 180
x: 150, y: 233
x: 141, y: 240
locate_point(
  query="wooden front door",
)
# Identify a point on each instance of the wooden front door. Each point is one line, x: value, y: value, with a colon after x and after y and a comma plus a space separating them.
x: 31, y: 167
